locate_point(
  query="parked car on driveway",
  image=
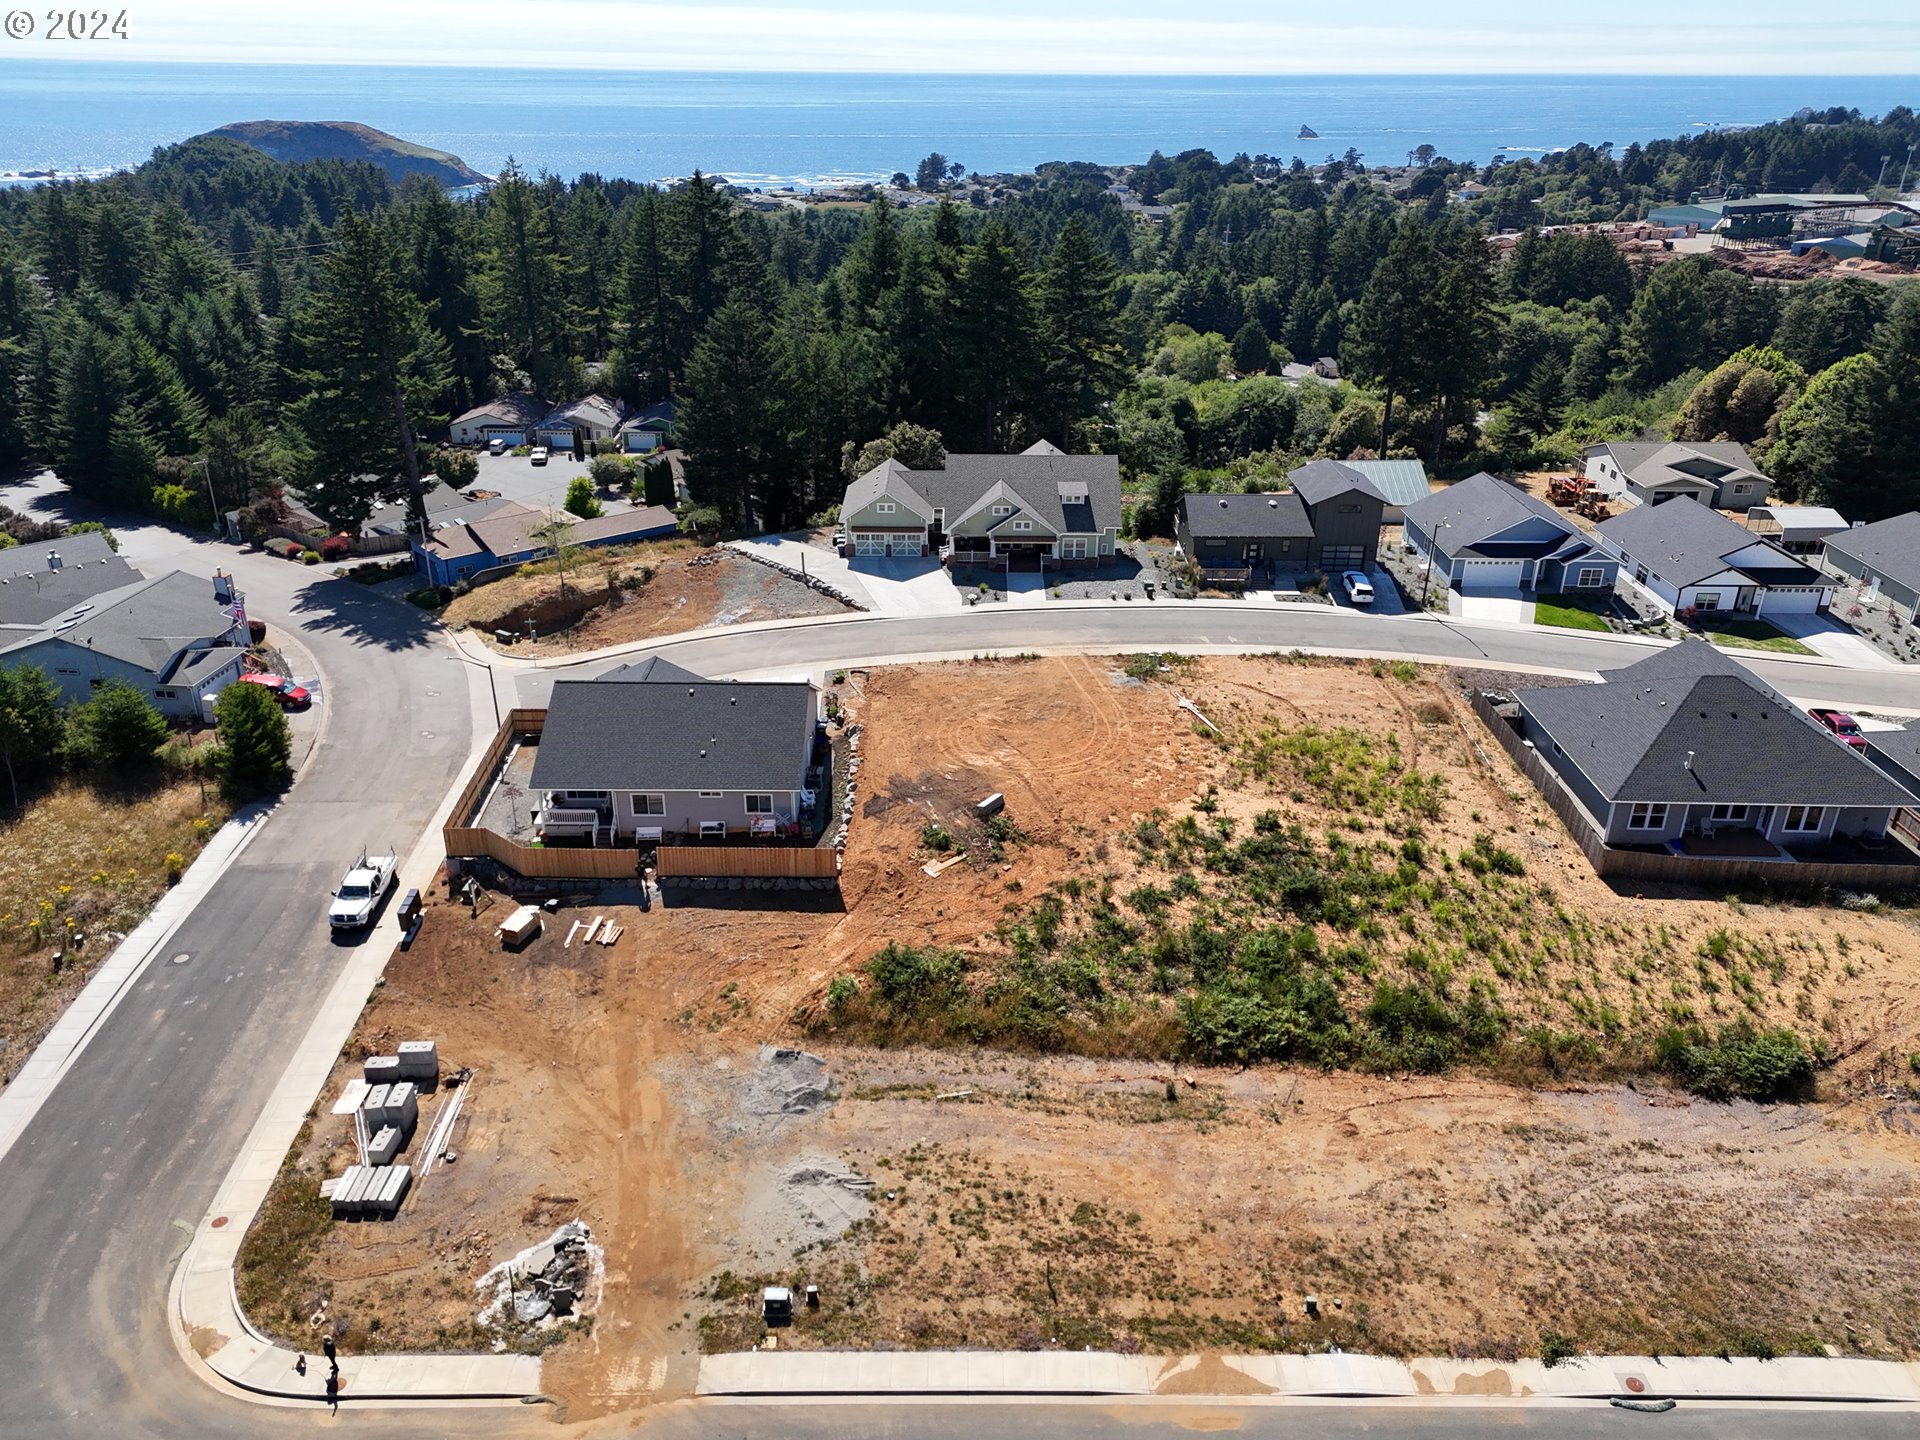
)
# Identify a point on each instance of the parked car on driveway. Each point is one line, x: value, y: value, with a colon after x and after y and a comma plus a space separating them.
x: 1359, y: 589
x: 496, y: 446
x: 538, y: 455
x: 1842, y: 726
x: 290, y: 695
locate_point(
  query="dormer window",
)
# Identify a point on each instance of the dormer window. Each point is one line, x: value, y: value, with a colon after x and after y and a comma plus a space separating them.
x: 999, y: 510
x: 884, y: 507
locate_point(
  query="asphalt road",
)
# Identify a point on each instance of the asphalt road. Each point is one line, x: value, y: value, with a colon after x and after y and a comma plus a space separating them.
x: 99, y: 1195
x: 1171, y: 625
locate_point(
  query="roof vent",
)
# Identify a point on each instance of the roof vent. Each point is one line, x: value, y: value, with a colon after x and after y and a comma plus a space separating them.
x: 733, y: 699
x: 703, y: 754
x: 1687, y: 764
x: 689, y: 692
x: 1273, y: 504
x: 1223, y: 504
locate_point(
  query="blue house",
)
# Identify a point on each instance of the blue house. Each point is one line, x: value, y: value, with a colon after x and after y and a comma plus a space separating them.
x: 517, y: 535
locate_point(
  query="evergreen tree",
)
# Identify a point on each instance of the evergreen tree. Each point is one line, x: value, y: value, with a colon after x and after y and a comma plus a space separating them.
x: 520, y: 281
x: 995, y: 357
x: 874, y: 266
x: 441, y: 273
x: 1667, y: 330
x: 256, y: 744
x: 1082, y: 362
x: 649, y: 317
x: 92, y: 380
x: 31, y: 726
x: 375, y: 369
x: 120, y: 728
x: 728, y: 423
x: 1390, y: 344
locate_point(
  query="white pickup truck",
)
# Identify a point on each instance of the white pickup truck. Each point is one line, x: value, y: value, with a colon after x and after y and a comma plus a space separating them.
x: 361, y: 890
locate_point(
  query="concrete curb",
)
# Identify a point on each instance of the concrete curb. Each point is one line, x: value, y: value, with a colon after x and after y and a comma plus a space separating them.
x: 208, y: 1328
x: 1255, y: 1378
x: 88, y: 1011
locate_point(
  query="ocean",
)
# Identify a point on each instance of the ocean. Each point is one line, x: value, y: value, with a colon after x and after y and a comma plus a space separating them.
x: 88, y: 118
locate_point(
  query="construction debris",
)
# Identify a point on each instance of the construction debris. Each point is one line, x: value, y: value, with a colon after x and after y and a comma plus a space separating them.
x: 562, y: 1274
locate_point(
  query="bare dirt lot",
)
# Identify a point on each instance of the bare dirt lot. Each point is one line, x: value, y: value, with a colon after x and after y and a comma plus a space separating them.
x: 1050, y: 1200
x: 641, y: 592
x: 84, y: 862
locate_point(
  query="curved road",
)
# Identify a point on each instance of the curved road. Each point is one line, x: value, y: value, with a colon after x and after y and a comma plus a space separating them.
x: 98, y: 1196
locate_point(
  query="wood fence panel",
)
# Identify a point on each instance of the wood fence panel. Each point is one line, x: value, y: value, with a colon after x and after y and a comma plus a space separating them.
x: 746, y: 861
x: 543, y: 862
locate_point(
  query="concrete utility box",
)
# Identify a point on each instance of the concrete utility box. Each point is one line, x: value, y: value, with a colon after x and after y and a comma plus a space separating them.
x: 419, y: 1060
x: 381, y: 1069
x: 991, y: 806
x: 391, y: 1188
x: 374, y: 1107
x: 403, y: 1106
x: 776, y: 1305
x: 384, y: 1146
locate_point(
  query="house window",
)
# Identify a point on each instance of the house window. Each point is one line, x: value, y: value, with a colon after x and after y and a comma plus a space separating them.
x: 1023, y: 524
x: 1729, y: 814
x: 1803, y: 819
x: 66, y: 672
x: 649, y: 804
x: 1591, y: 576
x: 166, y: 694
x: 1645, y: 816
x: 1213, y: 542
x: 1707, y: 600
x: 1003, y: 510
x: 711, y: 794
x: 1348, y: 509
x: 759, y: 804
x: 884, y: 507
x: 1075, y: 549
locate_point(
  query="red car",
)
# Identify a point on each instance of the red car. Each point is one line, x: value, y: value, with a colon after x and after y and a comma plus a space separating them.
x: 1842, y: 726
x: 290, y: 695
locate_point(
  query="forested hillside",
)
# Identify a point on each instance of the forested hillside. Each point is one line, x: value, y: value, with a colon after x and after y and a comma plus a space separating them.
x: 302, y: 325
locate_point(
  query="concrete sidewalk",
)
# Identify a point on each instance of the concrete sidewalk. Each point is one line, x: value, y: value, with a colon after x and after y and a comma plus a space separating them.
x: 206, y: 1322
x: 1249, y: 1377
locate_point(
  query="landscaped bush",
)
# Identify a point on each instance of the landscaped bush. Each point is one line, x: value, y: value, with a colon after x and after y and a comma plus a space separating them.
x: 309, y: 557
x: 1741, y: 1062
x: 427, y: 597
x: 336, y: 547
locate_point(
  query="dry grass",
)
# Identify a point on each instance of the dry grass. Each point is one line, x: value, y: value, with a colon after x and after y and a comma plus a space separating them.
x: 81, y: 865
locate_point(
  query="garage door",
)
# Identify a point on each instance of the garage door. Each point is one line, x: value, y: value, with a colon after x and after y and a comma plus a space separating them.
x: 869, y: 544
x: 1342, y: 557
x: 1492, y: 574
x: 1792, y: 601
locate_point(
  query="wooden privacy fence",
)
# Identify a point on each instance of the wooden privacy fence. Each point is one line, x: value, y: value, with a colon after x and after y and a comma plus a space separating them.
x: 544, y: 862
x: 519, y: 722
x: 1898, y: 872
x: 357, y: 545
x: 746, y: 861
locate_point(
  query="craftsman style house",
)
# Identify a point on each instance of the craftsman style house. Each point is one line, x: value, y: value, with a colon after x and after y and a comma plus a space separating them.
x: 1689, y: 751
x: 653, y: 752
x: 1039, y: 509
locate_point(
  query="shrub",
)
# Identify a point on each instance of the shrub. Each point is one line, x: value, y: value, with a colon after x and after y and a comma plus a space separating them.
x: 427, y: 597
x: 936, y: 837
x: 607, y: 472
x: 1556, y: 1348
x: 93, y: 527
x: 843, y: 989
x: 1740, y: 1062
x: 458, y: 468
x: 336, y: 547
x: 910, y: 979
x: 120, y: 729
x: 309, y: 557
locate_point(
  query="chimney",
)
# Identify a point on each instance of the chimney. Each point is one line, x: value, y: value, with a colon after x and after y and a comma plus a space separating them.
x: 223, y: 587
x: 53, y: 559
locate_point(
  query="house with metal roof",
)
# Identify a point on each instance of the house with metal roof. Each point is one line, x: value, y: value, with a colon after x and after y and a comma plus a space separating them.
x: 178, y: 639
x: 1401, y: 482
x: 1689, y: 558
x: 1883, y: 557
x: 1718, y: 473
x: 653, y: 752
x: 1797, y: 529
x: 1690, y: 752
x: 1040, y: 509
x: 1484, y: 534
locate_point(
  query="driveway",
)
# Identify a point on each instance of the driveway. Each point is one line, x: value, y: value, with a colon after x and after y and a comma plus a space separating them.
x: 1508, y: 607
x: 795, y: 553
x: 907, y: 587
x: 1832, y: 639
x: 1026, y: 589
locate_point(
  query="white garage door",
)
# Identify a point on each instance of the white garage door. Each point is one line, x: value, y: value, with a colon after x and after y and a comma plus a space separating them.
x: 1791, y: 602
x: 869, y: 544
x: 1492, y: 574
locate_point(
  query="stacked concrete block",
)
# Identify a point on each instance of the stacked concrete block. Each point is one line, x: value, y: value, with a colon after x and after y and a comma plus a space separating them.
x: 403, y: 1106
x: 384, y: 1146
x: 371, y: 1190
x: 381, y: 1069
x: 388, y: 1191
x: 419, y: 1060
x: 374, y: 1106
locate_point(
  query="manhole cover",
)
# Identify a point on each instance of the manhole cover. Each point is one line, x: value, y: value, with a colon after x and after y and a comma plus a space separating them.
x: 219, y: 1222
x: 1636, y: 1384
x: 180, y: 959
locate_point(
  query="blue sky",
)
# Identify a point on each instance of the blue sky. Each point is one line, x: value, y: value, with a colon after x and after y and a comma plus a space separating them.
x: 1041, y: 36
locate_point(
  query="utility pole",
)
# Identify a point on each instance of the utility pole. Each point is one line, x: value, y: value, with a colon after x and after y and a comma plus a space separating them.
x: 1433, y: 541
x: 1883, y: 171
x: 1904, y: 168
x: 213, y: 506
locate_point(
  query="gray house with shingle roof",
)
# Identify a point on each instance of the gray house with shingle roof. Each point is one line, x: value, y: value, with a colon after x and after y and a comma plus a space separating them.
x: 1688, y: 557
x: 1883, y: 556
x: 1329, y: 521
x: 178, y: 639
x: 1688, y: 748
x: 654, y: 751
x: 1484, y: 534
x: 1037, y: 509
x: 1717, y: 473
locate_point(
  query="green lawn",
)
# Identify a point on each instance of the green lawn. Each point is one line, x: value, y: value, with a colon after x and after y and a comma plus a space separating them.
x: 1558, y: 610
x: 1755, y: 635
